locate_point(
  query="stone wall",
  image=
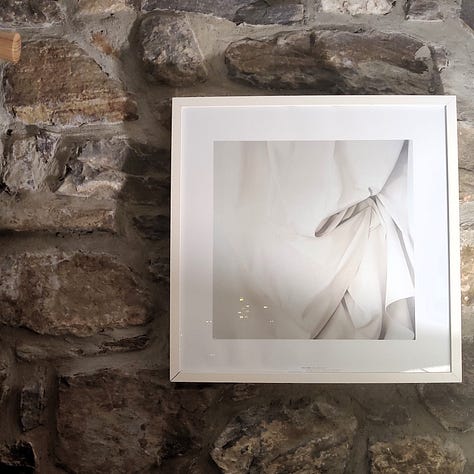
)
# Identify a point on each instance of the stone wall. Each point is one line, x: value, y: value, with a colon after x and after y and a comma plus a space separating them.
x: 84, y: 224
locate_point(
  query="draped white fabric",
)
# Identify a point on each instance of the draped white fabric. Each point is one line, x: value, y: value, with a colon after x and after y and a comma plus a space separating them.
x: 313, y: 240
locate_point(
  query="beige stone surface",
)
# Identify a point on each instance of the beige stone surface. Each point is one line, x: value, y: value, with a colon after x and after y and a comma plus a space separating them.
x: 57, y: 83
x: 46, y: 212
x: 416, y: 455
x: 78, y: 293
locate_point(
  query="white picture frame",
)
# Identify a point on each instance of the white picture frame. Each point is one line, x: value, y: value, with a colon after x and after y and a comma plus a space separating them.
x: 426, y: 122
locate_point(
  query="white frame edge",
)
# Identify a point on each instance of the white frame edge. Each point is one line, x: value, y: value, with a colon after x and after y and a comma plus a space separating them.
x: 175, y: 239
x: 455, y: 375
x: 454, y: 237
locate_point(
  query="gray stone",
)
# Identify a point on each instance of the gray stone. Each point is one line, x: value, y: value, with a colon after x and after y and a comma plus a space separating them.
x: 267, y: 12
x: 108, y: 341
x: 18, y: 457
x: 70, y: 87
x: 423, y: 10
x: 110, y: 420
x: 105, y: 7
x: 257, y: 12
x: 30, y: 13
x: 336, y: 62
x: 32, y: 405
x: 467, y: 12
x: 416, y: 455
x: 466, y: 145
x: 357, y: 7
x: 220, y: 8
x: 100, y: 168
x: 170, y: 51
x: 78, y: 294
x: 29, y: 163
x: 91, y: 173
x: 453, y: 404
x: 314, y: 437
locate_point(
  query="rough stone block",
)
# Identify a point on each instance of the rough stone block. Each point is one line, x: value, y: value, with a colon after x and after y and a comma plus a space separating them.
x: 111, y: 420
x: 114, y: 168
x: 221, y: 8
x: 256, y: 12
x: 336, y: 62
x: 171, y: 53
x: 37, y: 212
x: 265, y: 12
x: 357, y: 7
x: 100, y: 168
x: 310, y: 438
x: 29, y: 163
x: 453, y: 404
x: 423, y: 10
x: 105, y: 7
x: 78, y: 294
x: 50, y: 348
x: 57, y: 83
x: 37, y: 13
x: 417, y: 454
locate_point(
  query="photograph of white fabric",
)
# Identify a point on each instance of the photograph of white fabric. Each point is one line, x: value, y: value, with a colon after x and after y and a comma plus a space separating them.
x: 313, y: 240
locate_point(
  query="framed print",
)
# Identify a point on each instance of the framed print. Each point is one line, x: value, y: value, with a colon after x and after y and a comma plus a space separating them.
x: 315, y: 239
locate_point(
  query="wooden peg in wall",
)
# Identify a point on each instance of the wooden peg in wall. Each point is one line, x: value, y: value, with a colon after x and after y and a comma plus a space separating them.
x: 10, y: 45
